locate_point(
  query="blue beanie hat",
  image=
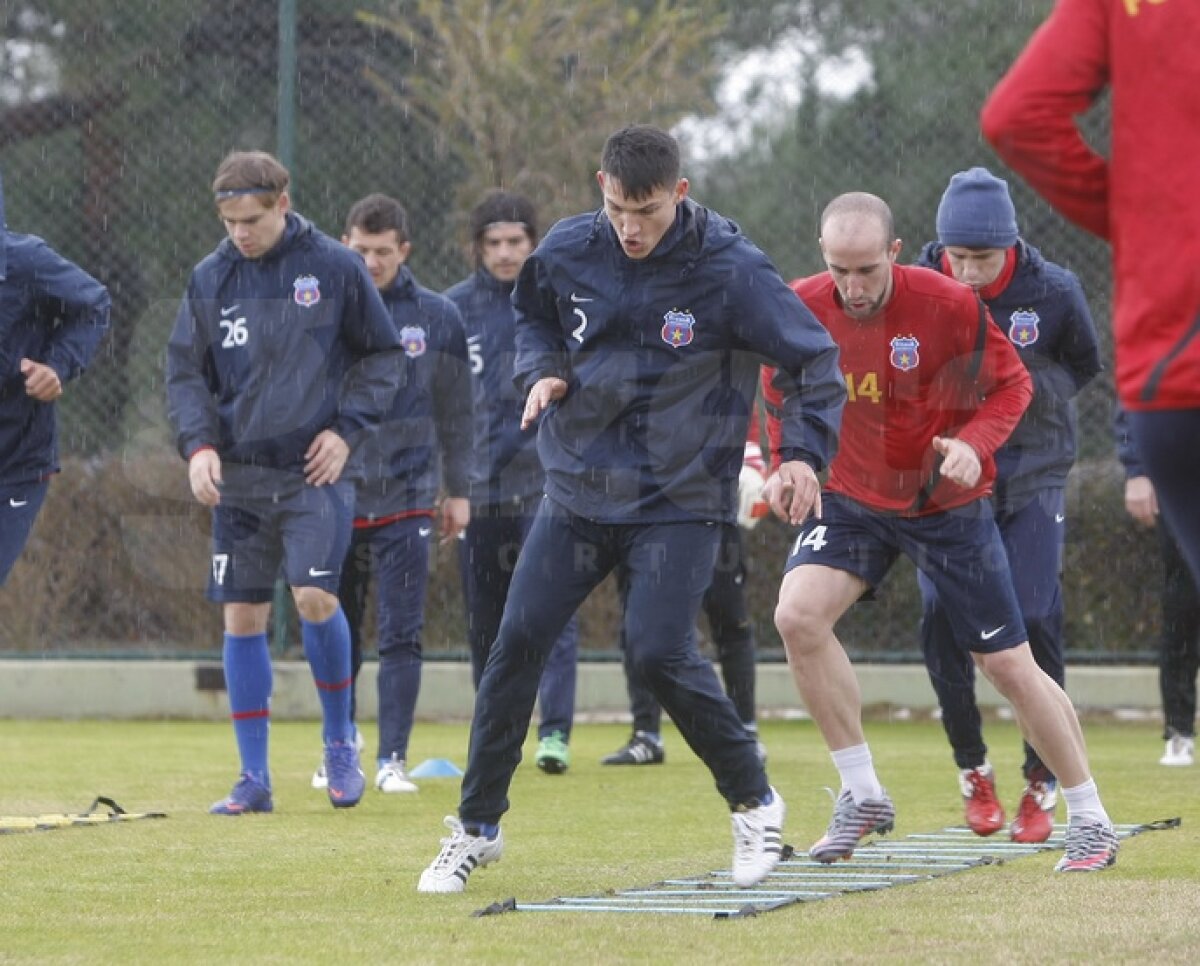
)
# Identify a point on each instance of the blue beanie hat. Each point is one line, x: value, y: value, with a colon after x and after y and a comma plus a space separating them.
x: 976, y: 211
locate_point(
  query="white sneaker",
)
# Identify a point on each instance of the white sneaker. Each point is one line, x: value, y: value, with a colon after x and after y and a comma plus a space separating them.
x: 461, y: 855
x: 757, y: 841
x: 1180, y: 752
x: 392, y: 778
x: 319, y: 778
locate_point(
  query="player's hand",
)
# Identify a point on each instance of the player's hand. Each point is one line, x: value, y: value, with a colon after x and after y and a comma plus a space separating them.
x: 544, y: 392
x: 793, y: 492
x: 204, y: 475
x: 1141, y: 501
x: 960, y: 462
x: 41, y: 381
x: 325, y: 458
x: 455, y: 515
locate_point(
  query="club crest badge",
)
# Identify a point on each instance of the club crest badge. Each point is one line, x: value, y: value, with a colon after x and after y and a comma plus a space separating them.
x: 678, y: 328
x: 306, y: 291
x: 1023, y: 328
x: 412, y: 337
x: 904, y: 353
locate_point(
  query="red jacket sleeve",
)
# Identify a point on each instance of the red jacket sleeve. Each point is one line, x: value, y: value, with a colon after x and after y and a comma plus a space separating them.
x: 1030, y: 116
x: 1007, y: 391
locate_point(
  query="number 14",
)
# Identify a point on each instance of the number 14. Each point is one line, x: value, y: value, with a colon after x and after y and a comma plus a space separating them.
x: 867, y: 386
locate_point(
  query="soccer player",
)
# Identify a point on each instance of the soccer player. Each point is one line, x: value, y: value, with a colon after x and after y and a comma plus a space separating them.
x: 639, y: 331
x: 282, y: 353
x: 53, y: 315
x: 1179, y: 645
x: 934, y: 389
x: 424, y: 440
x: 1040, y: 308
x: 506, y: 475
x: 1142, y: 198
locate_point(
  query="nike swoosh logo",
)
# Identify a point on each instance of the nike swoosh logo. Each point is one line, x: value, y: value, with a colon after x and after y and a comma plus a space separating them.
x: 231, y: 309
x: 425, y: 531
x: 988, y: 635
x: 15, y: 503
x: 336, y: 793
x: 1058, y: 518
x: 580, y: 298
x: 313, y: 572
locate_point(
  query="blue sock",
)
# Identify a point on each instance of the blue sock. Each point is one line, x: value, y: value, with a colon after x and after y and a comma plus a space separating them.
x: 327, y: 648
x: 248, y: 681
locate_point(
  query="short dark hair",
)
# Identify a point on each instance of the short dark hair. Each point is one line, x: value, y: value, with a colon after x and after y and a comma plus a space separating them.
x: 251, y: 173
x: 642, y: 158
x: 378, y: 213
x: 502, y: 206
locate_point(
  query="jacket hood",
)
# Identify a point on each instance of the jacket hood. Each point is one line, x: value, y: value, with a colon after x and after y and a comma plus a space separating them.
x: 697, y: 233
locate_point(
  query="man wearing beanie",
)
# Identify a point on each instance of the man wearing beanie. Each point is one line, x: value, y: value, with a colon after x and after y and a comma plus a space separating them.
x: 1040, y: 308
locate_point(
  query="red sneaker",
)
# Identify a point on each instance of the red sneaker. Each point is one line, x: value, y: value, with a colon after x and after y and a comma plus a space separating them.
x: 1035, y: 813
x: 985, y: 814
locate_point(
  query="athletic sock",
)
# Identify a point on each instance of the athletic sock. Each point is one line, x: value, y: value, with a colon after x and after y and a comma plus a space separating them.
x: 1083, y: 803
x: 327, y: 648
x: 489, y: 830
x: 247, y: 660
x: 854, y: 765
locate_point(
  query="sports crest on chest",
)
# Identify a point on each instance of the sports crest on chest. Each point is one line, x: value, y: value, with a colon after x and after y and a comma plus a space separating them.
x: 306, y: 291
x: 905, y: 353
x: 1023, y: 327
x: 414, y: 340
x: 679, y: 328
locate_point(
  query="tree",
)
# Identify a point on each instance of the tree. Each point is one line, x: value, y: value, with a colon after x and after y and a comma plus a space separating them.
x: 524, y: 92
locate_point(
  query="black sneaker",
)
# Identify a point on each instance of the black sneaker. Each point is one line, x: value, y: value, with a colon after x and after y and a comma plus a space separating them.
x: 641, y: 750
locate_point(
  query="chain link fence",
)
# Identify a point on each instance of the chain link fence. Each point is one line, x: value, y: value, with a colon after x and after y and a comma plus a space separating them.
x: 114, y: 117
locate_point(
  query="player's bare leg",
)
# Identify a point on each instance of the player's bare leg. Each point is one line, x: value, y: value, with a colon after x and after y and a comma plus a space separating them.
x: 1044, y: 712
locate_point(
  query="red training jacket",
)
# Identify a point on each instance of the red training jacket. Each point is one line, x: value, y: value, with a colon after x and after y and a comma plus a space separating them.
x: 931, y: 363
x: 1146, y: 198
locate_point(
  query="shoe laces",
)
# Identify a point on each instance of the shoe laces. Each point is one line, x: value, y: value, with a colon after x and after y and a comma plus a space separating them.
x: 1086, y: 839
x: 340, y: 756
x: 452, y: 844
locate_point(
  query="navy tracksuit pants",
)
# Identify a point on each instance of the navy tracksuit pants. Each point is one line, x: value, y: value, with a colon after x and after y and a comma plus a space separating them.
x: 1033, y: 534
x: 732, y: 635
x: 565, y: 557
x: 487, y: 557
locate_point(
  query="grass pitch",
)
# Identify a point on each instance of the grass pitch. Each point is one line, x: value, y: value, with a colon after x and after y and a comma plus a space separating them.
x: 309, y: 883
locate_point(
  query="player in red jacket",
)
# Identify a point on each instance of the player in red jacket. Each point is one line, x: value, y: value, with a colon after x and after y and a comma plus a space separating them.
x: 934, y: 388
x: 1142, y: 198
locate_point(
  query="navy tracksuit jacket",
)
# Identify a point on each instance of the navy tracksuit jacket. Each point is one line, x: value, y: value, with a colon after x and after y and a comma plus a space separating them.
x: 661, y: 357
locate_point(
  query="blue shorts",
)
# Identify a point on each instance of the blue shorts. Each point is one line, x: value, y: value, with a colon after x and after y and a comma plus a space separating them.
x: 19, y: 506
x: 265, y: 520
x: 959, y: 550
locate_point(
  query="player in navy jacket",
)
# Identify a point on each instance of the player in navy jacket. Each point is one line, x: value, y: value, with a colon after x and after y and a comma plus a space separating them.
x: 640, y: 329
x: 282, y: 353
x: 1040, y: 307
x: 422, y: 448
x: 506, y: 474
x: 53, y: 315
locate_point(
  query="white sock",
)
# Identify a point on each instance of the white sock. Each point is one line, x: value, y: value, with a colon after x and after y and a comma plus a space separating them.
x: 855, y: 767
x: 1083, y: 803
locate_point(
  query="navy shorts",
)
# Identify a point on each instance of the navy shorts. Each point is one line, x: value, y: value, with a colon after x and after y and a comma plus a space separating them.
x: 960, y: 550
x: 19, y: 506
x: 264, y: 521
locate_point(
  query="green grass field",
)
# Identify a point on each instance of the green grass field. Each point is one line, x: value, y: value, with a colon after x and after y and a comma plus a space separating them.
x: 310, y: 884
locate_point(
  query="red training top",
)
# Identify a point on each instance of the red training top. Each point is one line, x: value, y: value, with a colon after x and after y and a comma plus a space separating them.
x: 930, y: 363
x: 1146, y: 198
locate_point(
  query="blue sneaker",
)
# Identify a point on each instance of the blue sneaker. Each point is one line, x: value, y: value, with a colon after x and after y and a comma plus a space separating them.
x: 248, y: 795
x: 346, y: 781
